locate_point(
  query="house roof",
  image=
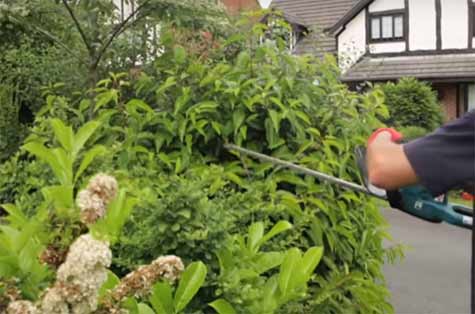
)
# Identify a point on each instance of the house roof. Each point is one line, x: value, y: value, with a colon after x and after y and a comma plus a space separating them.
x: 319, y: 15
x: 355, y: 10
x: 448, y: 67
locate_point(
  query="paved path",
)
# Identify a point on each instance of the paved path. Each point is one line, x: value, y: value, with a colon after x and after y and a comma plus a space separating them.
x: 434, y: 278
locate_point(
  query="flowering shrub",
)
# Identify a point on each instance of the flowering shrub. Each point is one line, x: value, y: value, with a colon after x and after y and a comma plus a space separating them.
x: 81, y: 276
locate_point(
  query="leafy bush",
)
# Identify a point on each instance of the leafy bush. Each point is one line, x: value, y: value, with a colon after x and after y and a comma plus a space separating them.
x: 164, y: 136
x: 11, y: 130
x: 412, y: 132
x: 412, y: 103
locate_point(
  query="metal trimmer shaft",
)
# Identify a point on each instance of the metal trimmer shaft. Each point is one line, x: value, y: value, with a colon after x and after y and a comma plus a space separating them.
x: 304, y: 170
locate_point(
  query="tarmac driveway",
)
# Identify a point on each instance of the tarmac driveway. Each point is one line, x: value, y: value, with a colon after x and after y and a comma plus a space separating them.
x: 434, y: 278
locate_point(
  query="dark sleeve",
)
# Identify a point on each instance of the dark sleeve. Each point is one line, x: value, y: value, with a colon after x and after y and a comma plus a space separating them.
x: 445, y: 159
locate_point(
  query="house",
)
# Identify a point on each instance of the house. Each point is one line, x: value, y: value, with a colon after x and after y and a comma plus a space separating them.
x: 384, y: 40
x: 315, y: 15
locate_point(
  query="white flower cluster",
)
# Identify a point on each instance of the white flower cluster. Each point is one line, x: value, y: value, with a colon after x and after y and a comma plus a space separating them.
x: 93, y: 201
x: 78, y: 281
x: 79, y: 278
x: 21, y: 307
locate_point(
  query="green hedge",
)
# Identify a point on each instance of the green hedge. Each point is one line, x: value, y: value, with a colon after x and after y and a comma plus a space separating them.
x: 165, y: 136
x: 412, y: 103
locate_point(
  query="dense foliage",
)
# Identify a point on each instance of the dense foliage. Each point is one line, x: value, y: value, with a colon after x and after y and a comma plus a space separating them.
x: 67, y: 46
x: 412, y: 103
x: 412, y: 132
x: 260, y: 230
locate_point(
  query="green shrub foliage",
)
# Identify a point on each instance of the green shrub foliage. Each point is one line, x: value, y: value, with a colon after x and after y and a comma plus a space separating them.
x: 412, y: 132
x: 412, y: 103
x: 10, y: 128
x: 165, y: 134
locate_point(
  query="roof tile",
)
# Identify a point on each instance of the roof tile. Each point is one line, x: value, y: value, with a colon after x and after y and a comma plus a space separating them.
x: 429, y: 67
x: 318, y: 14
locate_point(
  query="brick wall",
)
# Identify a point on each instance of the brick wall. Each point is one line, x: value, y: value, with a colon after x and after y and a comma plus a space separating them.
x: 236, y: 6
x: 448, y: 97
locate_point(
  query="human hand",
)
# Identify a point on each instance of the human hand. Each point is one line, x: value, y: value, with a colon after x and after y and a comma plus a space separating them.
x: 385, y: 134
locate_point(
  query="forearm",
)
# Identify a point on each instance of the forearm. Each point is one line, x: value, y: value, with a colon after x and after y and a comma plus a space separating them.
x: 388, y: 166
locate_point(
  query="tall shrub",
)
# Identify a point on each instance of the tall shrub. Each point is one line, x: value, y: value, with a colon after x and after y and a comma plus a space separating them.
x: 165, y: 136
x: 412, y: 103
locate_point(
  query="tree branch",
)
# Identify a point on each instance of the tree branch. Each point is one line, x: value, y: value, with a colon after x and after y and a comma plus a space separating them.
x: 118, y: 30
x: 78, y: 26
x: 51, y: 37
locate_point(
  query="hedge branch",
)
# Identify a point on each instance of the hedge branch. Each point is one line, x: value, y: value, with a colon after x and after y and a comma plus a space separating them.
x: 118, y: 30
x: 78, y: 25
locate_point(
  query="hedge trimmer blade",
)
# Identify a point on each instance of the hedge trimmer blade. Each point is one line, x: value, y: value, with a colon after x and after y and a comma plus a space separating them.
x: 360, y: 153
x: 304, y: 170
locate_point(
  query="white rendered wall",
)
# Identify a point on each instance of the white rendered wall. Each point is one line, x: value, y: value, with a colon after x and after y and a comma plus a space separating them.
x: 422, y: 25
x: 454, y: 24
x: 127, y: 7
x: 385, y: 5
x: 387, y: 47
x: 352, y: 42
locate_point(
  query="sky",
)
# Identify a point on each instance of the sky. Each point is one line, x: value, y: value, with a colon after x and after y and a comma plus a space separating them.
x: 265, y: 3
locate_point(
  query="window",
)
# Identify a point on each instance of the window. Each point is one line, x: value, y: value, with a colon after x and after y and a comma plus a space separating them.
x: 386, y: 27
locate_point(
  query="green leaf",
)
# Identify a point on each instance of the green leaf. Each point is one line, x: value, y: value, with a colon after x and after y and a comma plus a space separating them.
x: 271, y: 297
x: 161, y: 298
x: 61, y: 196
x: 170, y: 81
x: 63, y: 133
x: 255, y: 234
x: 105, y: 98
x: 134, y: 104
x: 272, y: 136
x: 234, y: 178
x: 222, y: 307
x: 15, y: 215
x: 117, y: 214
x: 179, y: 54
x: 268, y: 260
x: 109, y: 284
x: 131, y: 305
x: 275, y: 118
x: 192, y: 279
x: 66, y: 164
x: 88, y: 159
x: 225, y: 259
x: 288, y: 269
x: 82, y: 135
x: 280, y: 227
x: 238, y: 118
x: 310, y: 260
x: 46, y: 155
x: 145, y: 309
x: 8, y: 266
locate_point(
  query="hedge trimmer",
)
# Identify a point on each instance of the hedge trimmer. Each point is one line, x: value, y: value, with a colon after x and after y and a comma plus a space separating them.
x: 413, y: 200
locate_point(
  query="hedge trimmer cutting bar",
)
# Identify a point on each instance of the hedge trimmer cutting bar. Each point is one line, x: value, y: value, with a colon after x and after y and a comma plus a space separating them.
x: 414, y: 200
